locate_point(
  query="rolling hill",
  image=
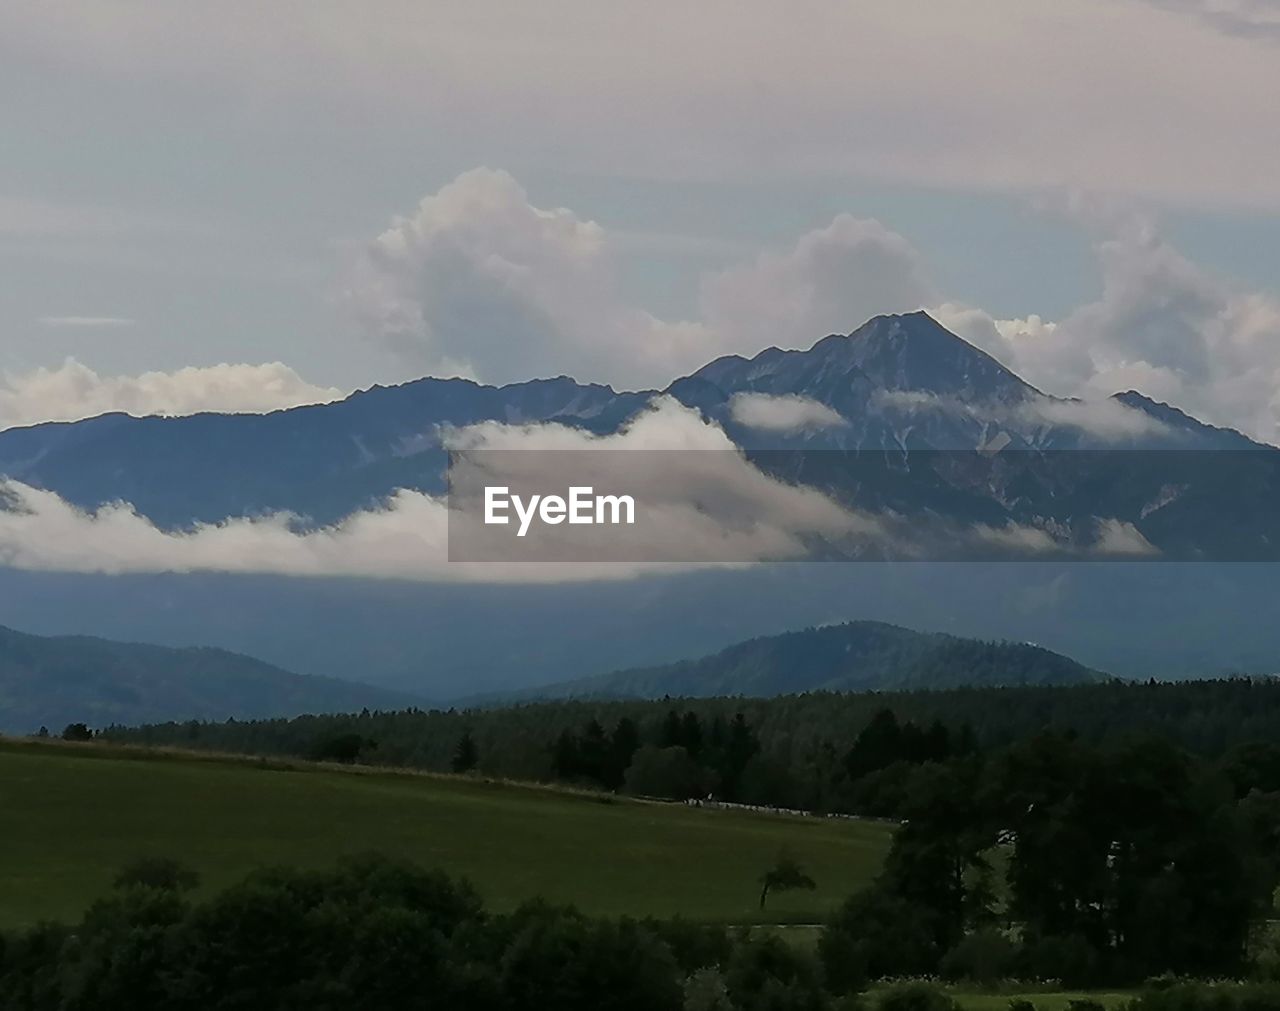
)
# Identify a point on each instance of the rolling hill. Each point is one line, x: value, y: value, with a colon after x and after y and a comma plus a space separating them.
x: 854, y: 656
x: 53, y: 681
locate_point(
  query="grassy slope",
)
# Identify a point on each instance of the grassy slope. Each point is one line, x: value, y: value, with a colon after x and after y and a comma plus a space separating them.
x: 70, y: 815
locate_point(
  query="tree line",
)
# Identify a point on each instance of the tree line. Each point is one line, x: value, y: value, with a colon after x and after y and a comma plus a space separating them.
x: 799, y: 744
x: 676, y: 755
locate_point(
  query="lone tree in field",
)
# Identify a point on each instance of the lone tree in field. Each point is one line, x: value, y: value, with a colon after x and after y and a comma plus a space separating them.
x: 784, y: 876
x: 466, y: 755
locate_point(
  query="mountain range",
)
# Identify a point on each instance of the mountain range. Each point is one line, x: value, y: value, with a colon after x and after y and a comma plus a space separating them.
x: 909, y: 399
x: 849, y: 657
x: 898, y: 384
x: 53, y: 681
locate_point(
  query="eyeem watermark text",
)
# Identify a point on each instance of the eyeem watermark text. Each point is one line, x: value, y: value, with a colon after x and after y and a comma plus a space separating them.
x: 582, y: 506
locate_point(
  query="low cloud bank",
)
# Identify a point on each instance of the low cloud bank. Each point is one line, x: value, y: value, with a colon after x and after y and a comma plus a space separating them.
x: 1105, y: 419
x: 782, y: 414
x: 708, y: 506
x: 728, y: 513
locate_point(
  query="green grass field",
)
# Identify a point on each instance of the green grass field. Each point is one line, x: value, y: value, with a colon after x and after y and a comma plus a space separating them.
x: 71, y: 815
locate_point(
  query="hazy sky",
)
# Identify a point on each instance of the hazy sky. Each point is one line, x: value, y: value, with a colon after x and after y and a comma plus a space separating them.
x: 369, y: 192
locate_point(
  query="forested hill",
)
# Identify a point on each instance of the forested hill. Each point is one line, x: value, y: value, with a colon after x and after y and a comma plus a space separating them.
x: 855, y: 656
x: 65, y: 679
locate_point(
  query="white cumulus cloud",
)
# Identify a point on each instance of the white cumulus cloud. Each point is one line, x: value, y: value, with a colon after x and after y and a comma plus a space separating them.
x: 833, y: 280
x: 479, y: 281
x: 1162, y: 325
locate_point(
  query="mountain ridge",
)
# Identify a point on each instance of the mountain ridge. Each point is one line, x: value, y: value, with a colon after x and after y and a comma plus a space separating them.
x: 897, y: 382
x: 56, y: 680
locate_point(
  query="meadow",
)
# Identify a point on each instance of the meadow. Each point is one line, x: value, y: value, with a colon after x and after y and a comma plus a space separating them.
x: 72, y: 814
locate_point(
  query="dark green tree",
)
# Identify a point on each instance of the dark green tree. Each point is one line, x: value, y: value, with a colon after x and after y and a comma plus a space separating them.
x: 939, y: 857
x: 691, y: 734
x: 741, y: 745
x: 466, y: 755
x: 876, y: 934
x: 671, y: 734
x: 557, y: 958
x: 566, y: 760
x: 767, y: 974
x: 593, y: 751
x: 877, y: 746
x: 623, y: 744
x: 665, y: 772
x: 122, y: 959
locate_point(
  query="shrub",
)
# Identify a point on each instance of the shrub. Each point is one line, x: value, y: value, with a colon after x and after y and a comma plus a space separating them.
x: 1266, y: 960
x: 767, y: 974
x: 1068, y: 958
x: 986, y: 956
x: 917, y: 997
x: 705, y: 991
x: 875, y: 934
x: 157, y: 872
x: 561, y: 959
x: 693, y: 945
x: 666, y: 772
